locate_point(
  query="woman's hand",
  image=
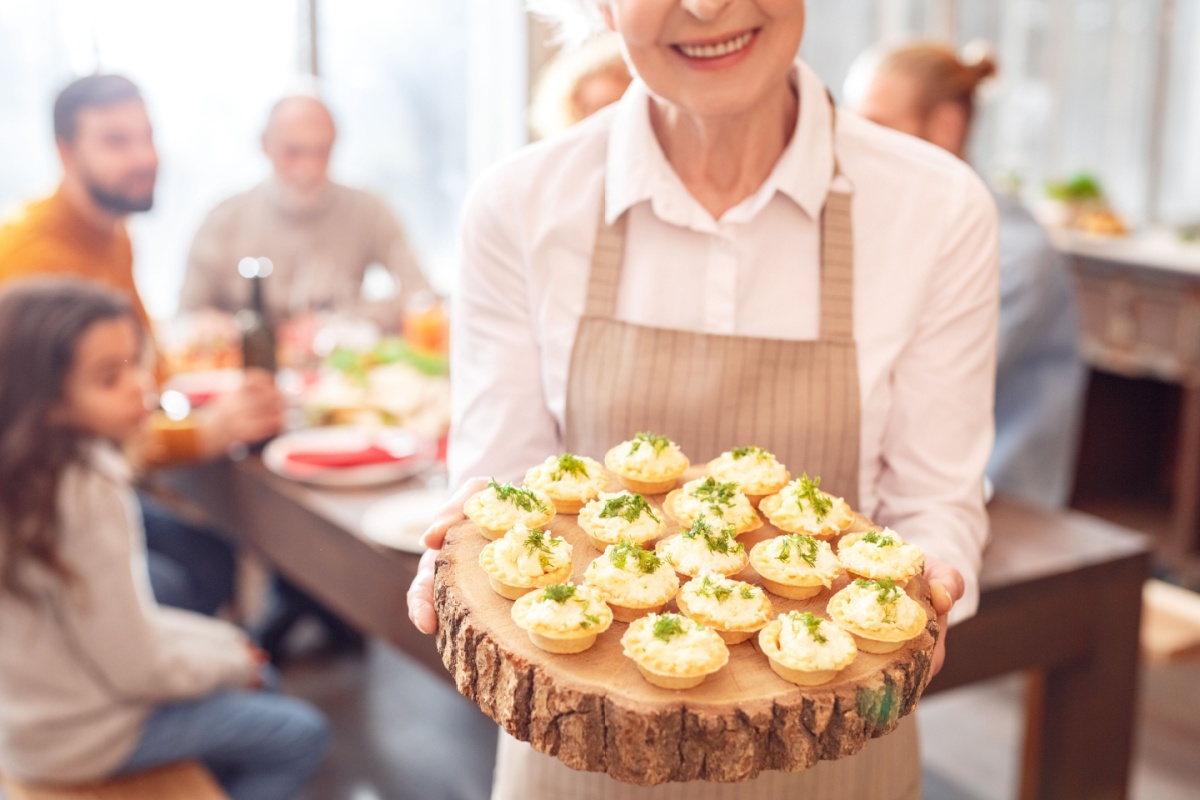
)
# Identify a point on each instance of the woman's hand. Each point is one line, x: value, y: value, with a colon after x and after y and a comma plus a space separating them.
x: 946, y: 586
x: 420, y: 593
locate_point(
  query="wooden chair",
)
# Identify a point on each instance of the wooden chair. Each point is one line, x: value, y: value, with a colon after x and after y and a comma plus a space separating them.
x: 1170, y: 623
x: 185, y: 781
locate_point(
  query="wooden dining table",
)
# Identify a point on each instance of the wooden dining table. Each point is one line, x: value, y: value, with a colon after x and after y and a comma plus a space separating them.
x: 1060, y: 600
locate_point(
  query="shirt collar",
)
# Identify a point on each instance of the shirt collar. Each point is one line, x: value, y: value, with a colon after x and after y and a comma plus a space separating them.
x: 637, y: 170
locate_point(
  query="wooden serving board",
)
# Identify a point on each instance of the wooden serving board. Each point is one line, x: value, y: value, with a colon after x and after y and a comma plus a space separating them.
x: 594, y: 711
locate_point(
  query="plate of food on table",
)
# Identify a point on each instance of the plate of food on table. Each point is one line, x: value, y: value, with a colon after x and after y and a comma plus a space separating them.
x: 639, y: 615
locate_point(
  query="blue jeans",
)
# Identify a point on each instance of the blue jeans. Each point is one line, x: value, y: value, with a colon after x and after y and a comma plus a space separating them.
x: 258, y: 745
x: 190, y: 567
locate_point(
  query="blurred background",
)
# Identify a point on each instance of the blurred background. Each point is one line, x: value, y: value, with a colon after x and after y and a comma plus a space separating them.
x: 1099, y: 97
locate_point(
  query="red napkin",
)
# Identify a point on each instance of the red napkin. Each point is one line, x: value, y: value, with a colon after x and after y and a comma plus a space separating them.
x: 342, y: 458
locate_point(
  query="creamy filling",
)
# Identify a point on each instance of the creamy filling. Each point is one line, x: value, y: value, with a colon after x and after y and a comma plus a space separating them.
x: 768, y: 560
x: 649, y: 464
x: 799, y: 649
x: 863, y: 609
x: 737, y: 605
x: 631, y: 586
x: 513, y: 553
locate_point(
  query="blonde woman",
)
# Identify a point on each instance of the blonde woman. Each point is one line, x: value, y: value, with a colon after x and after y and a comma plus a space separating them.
x: 576, y: 83
x: 724, y: 206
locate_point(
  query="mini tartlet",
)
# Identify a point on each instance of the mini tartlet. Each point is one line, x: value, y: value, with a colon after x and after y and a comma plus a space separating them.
x: 499, y: 507
x: 723, y: 503
x: 734, y: 609
x: 674, y: 652
x: 634, y: 582
x: 756, y: 472
x: 703, y: 548
x: 568, y: 480
x: 880, y: 554
x: 801, y: 507
x: 879, y: 615
x: 795, y: 565
x: 621, y: 515
x: 647, y: 463
x: 563, y: 617
x: 525, y: 559
x: 805, y: 649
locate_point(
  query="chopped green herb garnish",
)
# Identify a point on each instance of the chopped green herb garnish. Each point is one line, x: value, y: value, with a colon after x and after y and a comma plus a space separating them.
x: 723, y: 542
x: 589, y: 621
x: 717, y: 496
x: 739, y: 453
x: 887, y: 594
x: 719, y: 591
x: 536, y: 541
x: 811, y: 622
x: 519, y: 496
x: 810, y: 491
x: 659, y: 443
x: 667, y: 626
x: 648, y: 561
x: 747, y: 593
x: 569, y: 465
x: 874, y: 537
x: 627, y: 506
x: 559, y: 592
x: 805, y: 546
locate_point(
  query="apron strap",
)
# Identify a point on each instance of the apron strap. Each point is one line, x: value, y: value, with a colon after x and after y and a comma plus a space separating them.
x: 605, y: 274
x: 837, y: 269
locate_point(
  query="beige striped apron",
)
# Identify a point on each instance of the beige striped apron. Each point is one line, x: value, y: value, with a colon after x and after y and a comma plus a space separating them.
x: 799, y: 399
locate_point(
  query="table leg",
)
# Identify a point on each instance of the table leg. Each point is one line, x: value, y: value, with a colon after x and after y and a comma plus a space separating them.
x: 1081, y: 714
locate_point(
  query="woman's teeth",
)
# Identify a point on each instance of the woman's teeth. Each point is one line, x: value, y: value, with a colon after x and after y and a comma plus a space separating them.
x: 716, y: 50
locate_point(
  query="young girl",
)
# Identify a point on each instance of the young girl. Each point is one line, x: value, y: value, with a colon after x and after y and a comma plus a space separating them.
x: 96, y: 679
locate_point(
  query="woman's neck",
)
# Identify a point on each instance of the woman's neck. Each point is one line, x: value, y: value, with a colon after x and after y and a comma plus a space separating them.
x: 724, y: 160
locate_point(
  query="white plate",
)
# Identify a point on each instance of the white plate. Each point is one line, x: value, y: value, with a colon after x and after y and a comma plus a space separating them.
x: 398, y: 521
x: 337, y: 439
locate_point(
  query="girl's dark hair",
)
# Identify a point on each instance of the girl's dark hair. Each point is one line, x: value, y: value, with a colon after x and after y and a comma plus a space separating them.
x: 41, y: 324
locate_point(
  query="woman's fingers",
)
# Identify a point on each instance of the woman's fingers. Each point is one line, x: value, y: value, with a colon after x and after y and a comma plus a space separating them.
x: 946, y: 586
x: 420, y: 595
x: 451, y: 513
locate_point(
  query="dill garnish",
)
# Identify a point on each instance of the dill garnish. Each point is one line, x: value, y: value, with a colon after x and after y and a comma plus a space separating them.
x: 809, y: 490
x: 569, y: 465
x: 668, y: 626
x: 717, y: 496
x: 627, y: 506
x: 659, y: 443
x: 519, y: 496
x: 806, y: 548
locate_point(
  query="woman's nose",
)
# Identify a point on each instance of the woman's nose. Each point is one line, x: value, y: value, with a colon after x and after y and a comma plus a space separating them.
x: 706, y: 10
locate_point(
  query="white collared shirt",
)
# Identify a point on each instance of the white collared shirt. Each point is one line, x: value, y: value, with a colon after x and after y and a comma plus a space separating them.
x: 926, y: 297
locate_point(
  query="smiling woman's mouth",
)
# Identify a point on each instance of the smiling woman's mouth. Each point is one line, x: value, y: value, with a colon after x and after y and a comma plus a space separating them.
x: 717, y: 49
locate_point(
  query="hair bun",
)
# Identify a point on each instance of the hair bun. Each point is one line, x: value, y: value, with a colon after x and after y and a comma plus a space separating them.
x: 979, y: 57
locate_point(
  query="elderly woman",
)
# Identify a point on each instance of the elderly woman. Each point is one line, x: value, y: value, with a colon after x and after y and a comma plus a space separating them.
x: 724, y: 258
x: 927, y: 90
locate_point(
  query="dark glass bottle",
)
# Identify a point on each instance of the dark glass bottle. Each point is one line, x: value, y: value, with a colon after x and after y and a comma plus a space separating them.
x: 258, y: 335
